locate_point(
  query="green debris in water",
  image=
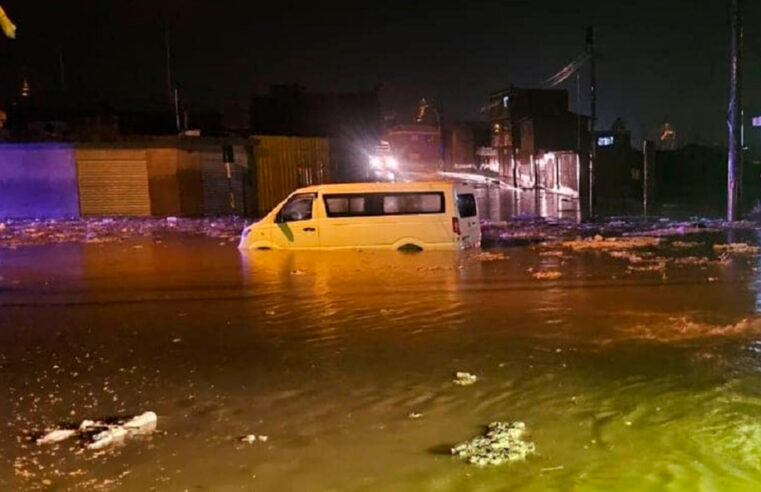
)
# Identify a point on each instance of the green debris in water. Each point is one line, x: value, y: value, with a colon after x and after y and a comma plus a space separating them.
x: 503, y: 442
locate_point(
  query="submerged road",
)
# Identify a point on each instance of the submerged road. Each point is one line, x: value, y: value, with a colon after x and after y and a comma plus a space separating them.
x: 631, y: 367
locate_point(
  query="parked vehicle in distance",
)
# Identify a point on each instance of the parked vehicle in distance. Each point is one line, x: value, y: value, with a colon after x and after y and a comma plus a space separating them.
x: 415, y: 216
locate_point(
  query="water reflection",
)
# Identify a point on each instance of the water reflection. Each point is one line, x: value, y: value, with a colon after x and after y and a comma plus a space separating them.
x: 499, y: 204
x: 625, y: 380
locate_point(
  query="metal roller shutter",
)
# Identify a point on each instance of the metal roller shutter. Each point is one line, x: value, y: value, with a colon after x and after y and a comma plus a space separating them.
x: 111, y: 184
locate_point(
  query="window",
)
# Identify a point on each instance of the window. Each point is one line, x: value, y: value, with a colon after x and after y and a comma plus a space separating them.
x: 413, y: 203
x: 298, y: 208
x: 466, y: 205
x: 342, y: 206
x: 376, y: 204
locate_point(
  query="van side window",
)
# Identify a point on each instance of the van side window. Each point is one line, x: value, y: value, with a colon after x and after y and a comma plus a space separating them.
x: 343, y: 206
x: 298, y: 208
x: 413, y: 203
x: 377, y: 204
x: 466, y: 205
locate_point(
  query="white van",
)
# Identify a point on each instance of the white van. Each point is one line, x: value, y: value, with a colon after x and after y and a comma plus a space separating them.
x: 422, y: 215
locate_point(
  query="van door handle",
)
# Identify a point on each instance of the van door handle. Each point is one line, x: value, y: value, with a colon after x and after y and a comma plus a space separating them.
x: 309, y: 229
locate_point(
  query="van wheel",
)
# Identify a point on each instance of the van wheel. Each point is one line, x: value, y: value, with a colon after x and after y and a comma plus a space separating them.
x: 410, y: 248
x: 263, y: 248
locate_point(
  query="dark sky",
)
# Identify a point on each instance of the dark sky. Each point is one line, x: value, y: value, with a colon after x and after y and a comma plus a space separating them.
x: 660, y: 60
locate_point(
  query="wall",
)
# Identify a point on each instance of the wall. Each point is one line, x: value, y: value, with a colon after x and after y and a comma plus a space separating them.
x: 283, y: 164
x: 38, y: 181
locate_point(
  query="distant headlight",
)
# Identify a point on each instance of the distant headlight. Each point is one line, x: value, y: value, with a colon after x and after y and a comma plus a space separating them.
x: 392, y: 163
x: 375, y: 162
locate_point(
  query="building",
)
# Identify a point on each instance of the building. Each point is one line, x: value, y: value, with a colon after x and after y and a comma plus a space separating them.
x: 539, y: 143
x: 351, y: 121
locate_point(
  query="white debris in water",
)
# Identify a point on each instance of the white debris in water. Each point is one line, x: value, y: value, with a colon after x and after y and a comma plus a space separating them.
x: 415, y: 415
x: 464, y: 378
x: 142, y: 424
x: 252, y: 438
x: 103, y: 435
x: 503, y: 442
x: 57, y: 435
x: 113, y: 435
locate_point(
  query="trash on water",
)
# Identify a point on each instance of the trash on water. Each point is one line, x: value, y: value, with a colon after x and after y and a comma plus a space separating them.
x: 252, y: 438
x: 415, y: 415
x: 113, y: 435
x: 100, y: 434
x: 142, y: 424
x: 502, y: 443
x: 464, y: 378
x: 737, y: 248
x: 56, y: 435
x: 547, y: 275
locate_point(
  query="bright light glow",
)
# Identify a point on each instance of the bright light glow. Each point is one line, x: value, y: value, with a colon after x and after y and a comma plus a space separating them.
x: 390, y: 176
x: 392, y: 163
x: 375, y: 162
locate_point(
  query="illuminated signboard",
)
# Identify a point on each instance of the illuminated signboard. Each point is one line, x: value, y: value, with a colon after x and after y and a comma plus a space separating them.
x: 757, y: 121
x: 605, y: 141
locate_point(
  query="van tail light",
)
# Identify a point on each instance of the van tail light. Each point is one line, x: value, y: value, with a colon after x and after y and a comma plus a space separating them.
x: 456, y: 225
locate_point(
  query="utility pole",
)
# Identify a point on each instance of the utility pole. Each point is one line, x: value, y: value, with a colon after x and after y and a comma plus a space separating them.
x: 171, y: 87
x: 734, y: 113
x: 61, y: 68
x: 592, y: 115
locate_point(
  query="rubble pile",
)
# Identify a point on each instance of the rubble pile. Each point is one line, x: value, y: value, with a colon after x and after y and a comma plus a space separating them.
x: 502, y: 443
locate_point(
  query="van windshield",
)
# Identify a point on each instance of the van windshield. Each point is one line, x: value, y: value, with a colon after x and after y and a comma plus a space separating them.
x: 466, y: 205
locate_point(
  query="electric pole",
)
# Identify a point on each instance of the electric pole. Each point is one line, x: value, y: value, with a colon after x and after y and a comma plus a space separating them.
x: 592, y: 115
x: 734, y: 113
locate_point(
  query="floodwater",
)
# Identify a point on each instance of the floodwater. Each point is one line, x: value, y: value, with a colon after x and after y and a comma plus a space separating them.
x: 626, y: 380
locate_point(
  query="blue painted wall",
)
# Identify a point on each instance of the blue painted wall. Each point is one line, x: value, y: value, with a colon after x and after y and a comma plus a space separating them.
x: 38, y: 180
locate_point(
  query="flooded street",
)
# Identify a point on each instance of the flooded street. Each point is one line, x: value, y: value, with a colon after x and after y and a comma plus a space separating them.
x: 627, y: 377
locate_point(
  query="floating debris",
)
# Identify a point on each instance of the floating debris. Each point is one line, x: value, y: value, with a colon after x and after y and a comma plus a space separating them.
x: 502, y: 443
x: 547, y: 275
x: 252, y: 438
x: 737, y: 248
x: 611, y: 243
x: 113, y: 435
x: 102, y: 435
x: 464, y: 378
x: 142, y: 424
x: 55, y: 436
x: 684, y: 244
x: 487, y: 256
x: 414, y: 415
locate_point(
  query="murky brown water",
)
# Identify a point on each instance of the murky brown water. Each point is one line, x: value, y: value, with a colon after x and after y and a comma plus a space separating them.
x: 626, y: 380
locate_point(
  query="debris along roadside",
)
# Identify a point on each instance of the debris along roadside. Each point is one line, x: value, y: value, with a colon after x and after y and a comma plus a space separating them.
x: 501, y: 443
x: 16, y: 233
x: 99, y: 435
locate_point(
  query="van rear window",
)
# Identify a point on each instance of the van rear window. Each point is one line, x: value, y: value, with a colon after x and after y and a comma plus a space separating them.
x: 376, y: 204
x: 466, y: 205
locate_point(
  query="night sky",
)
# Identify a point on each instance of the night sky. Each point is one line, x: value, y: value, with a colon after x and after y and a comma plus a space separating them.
x: 659, y: 60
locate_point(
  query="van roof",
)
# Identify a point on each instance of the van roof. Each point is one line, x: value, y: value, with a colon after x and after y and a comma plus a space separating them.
x: 384, y: 186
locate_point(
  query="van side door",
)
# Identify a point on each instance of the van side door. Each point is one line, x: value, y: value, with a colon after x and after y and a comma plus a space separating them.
x: 296, y: 225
